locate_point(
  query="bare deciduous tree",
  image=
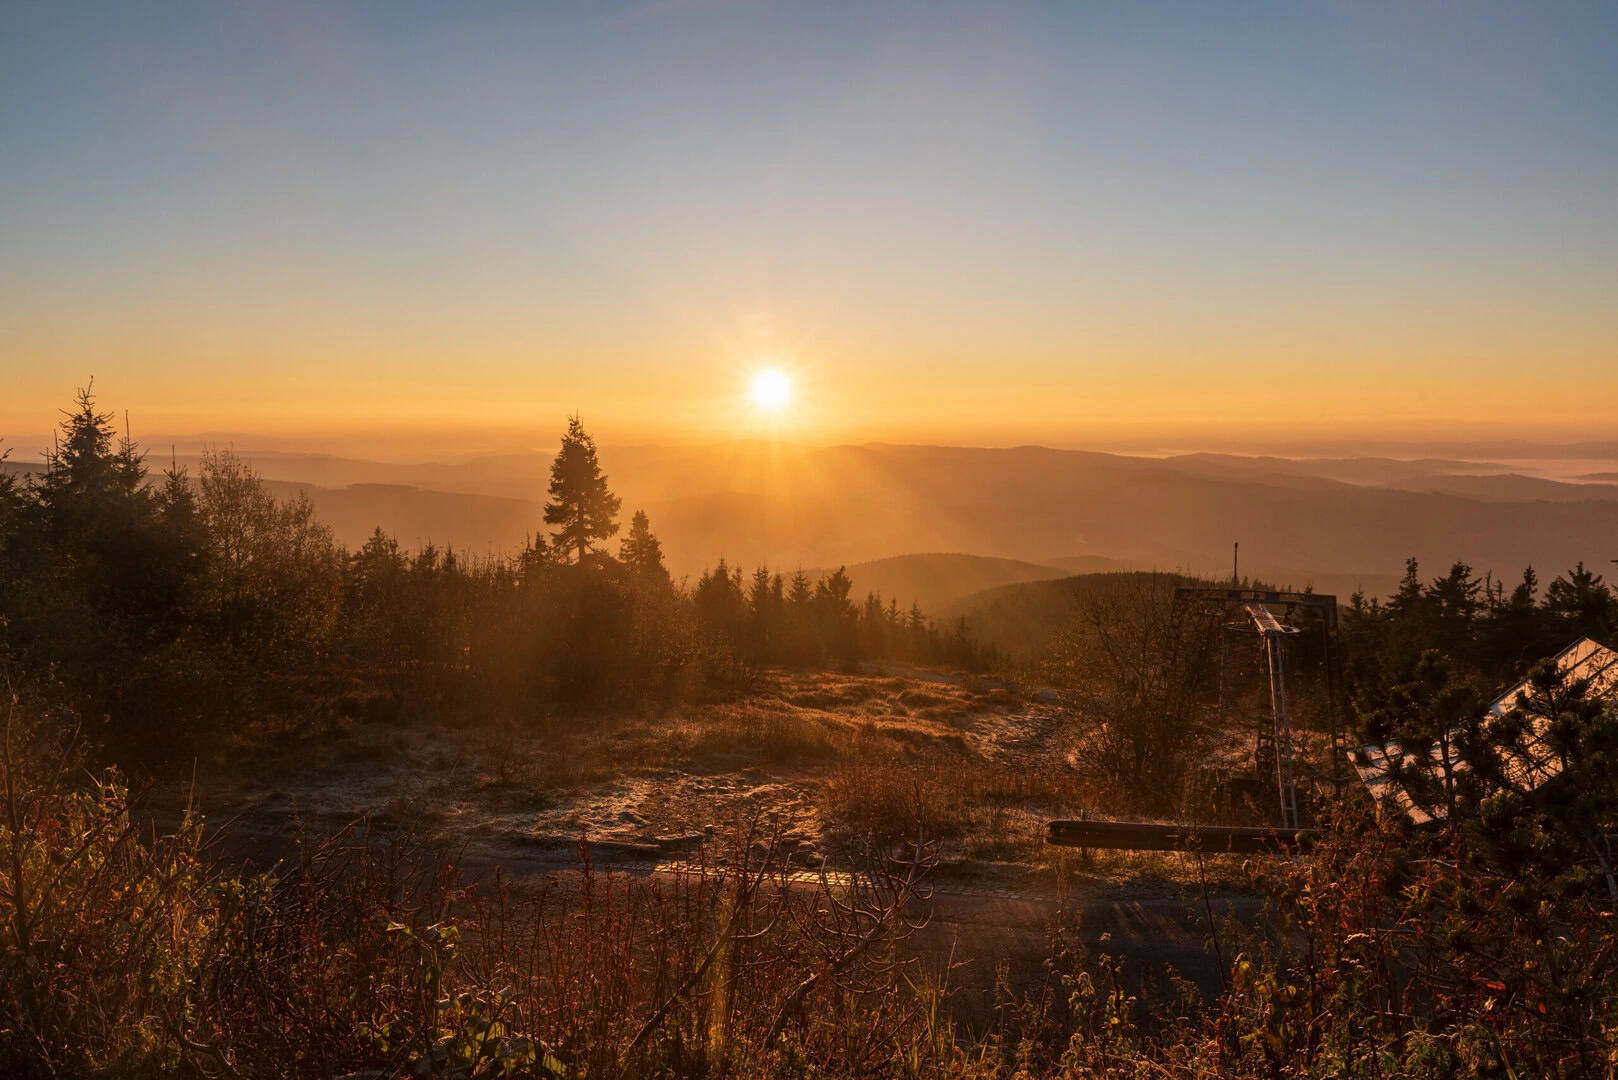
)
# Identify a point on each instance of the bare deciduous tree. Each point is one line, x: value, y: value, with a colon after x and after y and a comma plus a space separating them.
x: 1136, y: 665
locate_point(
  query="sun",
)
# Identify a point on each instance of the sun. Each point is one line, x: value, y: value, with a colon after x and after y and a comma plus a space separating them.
x: 771, y: 390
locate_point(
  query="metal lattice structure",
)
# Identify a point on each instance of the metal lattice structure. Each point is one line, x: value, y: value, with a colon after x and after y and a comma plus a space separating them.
x: 1254, y: 612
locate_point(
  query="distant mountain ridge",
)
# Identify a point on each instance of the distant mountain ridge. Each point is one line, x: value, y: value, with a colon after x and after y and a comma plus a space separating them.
x: 789, y: 506
x: 479, y: 525
x: 1509, y: 487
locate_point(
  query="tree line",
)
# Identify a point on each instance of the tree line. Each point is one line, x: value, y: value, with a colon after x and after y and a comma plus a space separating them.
x: 1493, y: 631
x: 171, y: 602
x: 766, y: 617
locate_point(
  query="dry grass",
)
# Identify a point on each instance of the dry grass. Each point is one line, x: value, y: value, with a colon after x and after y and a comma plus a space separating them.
x: 852, y: 756
x: 985, y: 810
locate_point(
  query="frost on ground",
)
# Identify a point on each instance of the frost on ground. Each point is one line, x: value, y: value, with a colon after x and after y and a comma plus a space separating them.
x: 835, y: 760
x: 828, y: 758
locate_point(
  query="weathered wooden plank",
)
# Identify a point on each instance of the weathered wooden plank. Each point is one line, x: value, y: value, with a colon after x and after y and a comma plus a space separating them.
x: 1148, y: 836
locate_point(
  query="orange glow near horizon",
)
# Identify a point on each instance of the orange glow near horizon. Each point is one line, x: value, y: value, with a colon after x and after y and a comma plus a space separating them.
x: 1068, y: 224
x: 1097, y: 405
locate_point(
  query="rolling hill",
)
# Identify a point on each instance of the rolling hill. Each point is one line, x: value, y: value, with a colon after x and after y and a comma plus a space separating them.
x: 856, y: 504
x: 1298, y: 521
x: 1025, y: 620
x: 1509, y: 487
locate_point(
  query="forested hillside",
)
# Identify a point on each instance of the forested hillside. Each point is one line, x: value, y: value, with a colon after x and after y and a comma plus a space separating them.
x: 170, y: 605
x: 1338, y: 523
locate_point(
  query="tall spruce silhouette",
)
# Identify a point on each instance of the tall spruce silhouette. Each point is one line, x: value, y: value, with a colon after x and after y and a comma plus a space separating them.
x: 581, y: 503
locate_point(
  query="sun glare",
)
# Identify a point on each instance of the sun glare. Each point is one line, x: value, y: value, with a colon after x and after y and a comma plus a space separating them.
x: 771, y: 389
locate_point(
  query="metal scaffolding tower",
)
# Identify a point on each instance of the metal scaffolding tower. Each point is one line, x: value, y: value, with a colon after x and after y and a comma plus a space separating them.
x: 1274, y: 634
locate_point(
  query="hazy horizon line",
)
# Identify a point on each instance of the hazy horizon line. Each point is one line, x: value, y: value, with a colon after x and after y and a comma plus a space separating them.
x: 386, y: 448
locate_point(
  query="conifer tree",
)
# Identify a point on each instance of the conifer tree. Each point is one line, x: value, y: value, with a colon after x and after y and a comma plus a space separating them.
x: 1527, y: 589
x: 177, y: 501
x: 801, y: 592
x: 1532, y: 794
x: 1515, y: 633
x: 1453, y: 604
x: 374, y: 570
x: 641, y: 552
x: 1580, y: 604
x: 836, y: 618
x: 11, y: 508
x: 184, y: 542
x: 766, y: 601
x: 89, y: 489
x: 873, y: 626
x: 721, y: 603
x: 98, y: 525
x: 581, y: 504
x: 102, y: 568
x: 535, y: 556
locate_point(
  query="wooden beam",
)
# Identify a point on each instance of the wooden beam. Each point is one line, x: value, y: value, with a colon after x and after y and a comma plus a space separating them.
x: 1146, y: 836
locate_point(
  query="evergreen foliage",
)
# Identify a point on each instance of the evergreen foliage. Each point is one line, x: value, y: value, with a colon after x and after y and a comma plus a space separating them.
x: 581, y: 505
x: 641, y: 552
x: 763, y: 620
x: 102, y: 569
x: 177, y: 606
x: 1492, y: 636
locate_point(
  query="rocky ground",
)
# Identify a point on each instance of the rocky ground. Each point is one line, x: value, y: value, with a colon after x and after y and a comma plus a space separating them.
x: 629, y: 783
x: 827, y: 759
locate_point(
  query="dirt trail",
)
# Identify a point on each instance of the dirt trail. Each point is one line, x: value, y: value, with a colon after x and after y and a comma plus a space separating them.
x: 991, y: 928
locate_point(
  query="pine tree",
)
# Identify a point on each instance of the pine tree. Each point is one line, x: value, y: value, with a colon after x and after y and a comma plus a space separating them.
x: 375, y: 569
x: 1580, y: 604
x: 801, y: 592
x: 766, y: 609
x: 581, y: 505
x: 1408, y: 600
x: 1533, y: 793
x: 1453, y: 604
x: 721, y: 603
x: 836, y: 619
x: 798, y: 621
x: 1526, y: 591
x: 103, y: 568
x: 1432, y: 718
x: 11, y: 508
x: 535, y: 556
x: 641, y: 552
x: 873, y: 627
x: 102, y: 526
x: 185, y: 541
x: 1516, y: 630
x: 89, y: 488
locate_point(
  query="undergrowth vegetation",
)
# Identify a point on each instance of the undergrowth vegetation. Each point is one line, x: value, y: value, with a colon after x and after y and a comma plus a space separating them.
x: 364, y: 952
x: 528, y: 694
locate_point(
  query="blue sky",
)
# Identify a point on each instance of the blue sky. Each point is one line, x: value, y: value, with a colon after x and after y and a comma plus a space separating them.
x: 996, y: 219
